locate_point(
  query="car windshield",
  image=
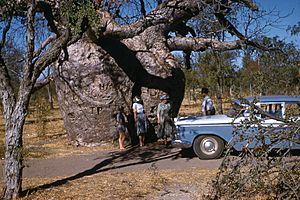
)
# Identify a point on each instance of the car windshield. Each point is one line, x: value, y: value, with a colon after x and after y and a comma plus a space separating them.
x: 266, y: 110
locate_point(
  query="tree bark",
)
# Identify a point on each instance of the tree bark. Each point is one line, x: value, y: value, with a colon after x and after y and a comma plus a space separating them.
x: 13, y: 154
x: 14, y: 115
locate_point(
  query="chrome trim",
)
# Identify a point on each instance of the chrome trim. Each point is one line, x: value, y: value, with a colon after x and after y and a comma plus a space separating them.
x: 181, y: 144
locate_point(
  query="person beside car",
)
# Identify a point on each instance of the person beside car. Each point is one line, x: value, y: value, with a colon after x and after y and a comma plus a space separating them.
x: 207, y: 104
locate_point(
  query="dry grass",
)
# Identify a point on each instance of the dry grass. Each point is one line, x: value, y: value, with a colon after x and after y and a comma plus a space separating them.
x: 52, y: 142
x: 46, y: 139
x: 152, y: 183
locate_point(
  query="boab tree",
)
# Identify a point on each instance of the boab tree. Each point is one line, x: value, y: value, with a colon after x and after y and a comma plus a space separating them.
x: 118, y: 59
x: 102, y: 61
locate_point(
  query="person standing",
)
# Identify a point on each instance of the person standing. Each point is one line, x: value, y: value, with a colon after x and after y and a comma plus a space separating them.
x: 139, y: 119
x: 121, y: 126
x: 163, y: 118
x: 207, y: 104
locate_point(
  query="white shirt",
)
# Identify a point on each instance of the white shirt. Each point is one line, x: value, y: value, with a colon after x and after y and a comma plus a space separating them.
x: 207, y: 104
x: 139, y: 108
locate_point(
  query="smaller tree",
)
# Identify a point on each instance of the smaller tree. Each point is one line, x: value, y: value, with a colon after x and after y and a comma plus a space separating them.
x: 15, y: 91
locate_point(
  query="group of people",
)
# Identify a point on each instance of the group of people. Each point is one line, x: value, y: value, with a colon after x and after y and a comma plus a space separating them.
x: 164, y: 120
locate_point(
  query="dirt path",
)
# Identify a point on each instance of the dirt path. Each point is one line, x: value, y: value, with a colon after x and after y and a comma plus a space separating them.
x: 136, y: 158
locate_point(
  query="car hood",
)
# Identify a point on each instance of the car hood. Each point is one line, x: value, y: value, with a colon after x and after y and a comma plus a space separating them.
x: 201, y: 120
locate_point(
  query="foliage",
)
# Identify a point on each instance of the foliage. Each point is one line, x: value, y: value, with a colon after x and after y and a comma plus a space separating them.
x: 79, y: 12
x: 260, y: 72
x: 271, y: 72
x: 216, y: 70
x: 262, y: 171
x: 295, y: 30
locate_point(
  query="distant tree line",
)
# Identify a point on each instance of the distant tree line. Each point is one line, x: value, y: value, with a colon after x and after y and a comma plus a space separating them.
x: 246, y: 73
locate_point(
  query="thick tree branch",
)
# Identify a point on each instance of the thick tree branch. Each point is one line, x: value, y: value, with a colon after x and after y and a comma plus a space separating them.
x: 6, y: 90
x: 166, y: 15
x: 50, y: 39
x: 201, y: 44
x: 26, y: 83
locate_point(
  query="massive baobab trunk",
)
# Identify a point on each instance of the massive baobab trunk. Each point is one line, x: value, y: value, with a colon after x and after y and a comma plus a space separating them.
x: 99, y: 77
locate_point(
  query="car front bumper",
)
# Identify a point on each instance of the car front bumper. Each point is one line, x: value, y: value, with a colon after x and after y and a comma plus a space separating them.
x: 181, y: 144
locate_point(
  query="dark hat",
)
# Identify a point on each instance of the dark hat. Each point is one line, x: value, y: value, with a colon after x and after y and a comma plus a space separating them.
x: 136, y: 99
x: 204, y: 90
x: 164, y: 97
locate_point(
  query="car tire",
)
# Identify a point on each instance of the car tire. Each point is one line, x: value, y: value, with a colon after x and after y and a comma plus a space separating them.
x: 208, y: 147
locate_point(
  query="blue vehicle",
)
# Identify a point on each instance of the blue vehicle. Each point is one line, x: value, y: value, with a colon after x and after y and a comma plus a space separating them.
x: 208, y: 135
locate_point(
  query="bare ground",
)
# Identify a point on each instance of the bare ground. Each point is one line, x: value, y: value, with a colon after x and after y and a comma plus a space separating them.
x: 149, y: 173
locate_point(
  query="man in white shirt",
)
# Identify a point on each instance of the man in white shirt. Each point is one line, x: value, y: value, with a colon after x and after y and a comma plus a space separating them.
x: 140, y: 119
x: 207, y: 104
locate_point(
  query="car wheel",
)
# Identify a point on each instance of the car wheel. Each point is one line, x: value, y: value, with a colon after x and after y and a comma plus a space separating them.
x: 208, y: 147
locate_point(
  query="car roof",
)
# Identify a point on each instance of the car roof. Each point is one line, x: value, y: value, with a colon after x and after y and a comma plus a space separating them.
x: 273, y: 99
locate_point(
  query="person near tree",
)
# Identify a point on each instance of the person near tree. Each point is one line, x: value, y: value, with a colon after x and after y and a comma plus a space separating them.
x: 139, y: 119
x: 121, y: 126
x: 164, y: 120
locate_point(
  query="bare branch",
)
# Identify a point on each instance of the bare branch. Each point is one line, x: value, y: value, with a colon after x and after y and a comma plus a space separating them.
x: 201, y: 44
x: 249, y: 3
x: 231, y: 28
x: 30, y: 35
x: 143, y: 10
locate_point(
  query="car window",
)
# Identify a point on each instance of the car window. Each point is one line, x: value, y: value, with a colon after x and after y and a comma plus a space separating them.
x: 274, y: 109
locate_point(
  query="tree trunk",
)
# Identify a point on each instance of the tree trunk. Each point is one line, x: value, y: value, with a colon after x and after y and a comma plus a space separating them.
x: 13, y: 153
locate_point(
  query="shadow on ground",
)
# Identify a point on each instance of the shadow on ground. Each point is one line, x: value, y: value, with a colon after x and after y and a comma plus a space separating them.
x: 121, y: 159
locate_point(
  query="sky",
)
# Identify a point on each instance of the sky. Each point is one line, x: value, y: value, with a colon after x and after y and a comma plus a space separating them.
x: 284, y: 7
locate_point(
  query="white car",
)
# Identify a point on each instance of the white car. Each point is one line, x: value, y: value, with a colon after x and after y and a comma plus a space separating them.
x: 208, y: 135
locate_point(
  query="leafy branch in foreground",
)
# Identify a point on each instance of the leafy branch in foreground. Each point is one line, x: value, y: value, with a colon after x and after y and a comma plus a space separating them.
x: 261, y: 170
